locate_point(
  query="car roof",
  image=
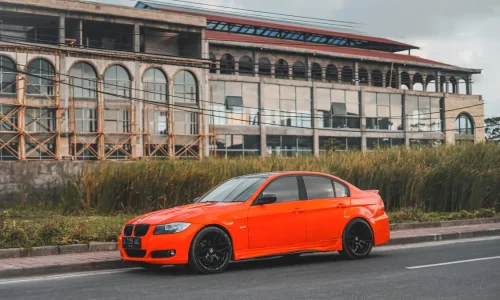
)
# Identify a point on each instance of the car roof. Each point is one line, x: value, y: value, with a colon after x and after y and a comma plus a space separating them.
x: 272, y: 174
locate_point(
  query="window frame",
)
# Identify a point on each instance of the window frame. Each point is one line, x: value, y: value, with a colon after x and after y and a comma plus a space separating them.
x: 332, y: 181
x: 300, y: 188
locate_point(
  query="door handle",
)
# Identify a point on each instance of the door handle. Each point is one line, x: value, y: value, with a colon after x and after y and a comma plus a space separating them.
x: 341, y: 206
x: 298, y: 211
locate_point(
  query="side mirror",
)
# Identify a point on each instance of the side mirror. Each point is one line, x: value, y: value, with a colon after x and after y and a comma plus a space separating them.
x: 266, y: 199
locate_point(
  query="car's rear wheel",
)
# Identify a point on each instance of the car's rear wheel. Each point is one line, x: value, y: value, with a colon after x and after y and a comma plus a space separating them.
x: 357, y: 240
x: 211, y: 251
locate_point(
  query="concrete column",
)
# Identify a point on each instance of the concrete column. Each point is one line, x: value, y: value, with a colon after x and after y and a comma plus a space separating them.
x: 469, y: 84
x: 308, y: 69
x: 438, y: 82
x: 255, y: 57
x: 363, y: 119
x: 447, y: 88
x: 62, y: 30
x: 80, y: 33
x: 262, y: 127
x: 406, y: 124
x: 137, y: 38
x: 457, y: 87
x: 424, y: 82
x: 206, y: 96
x: 139, y: 107
x: 356, y: 73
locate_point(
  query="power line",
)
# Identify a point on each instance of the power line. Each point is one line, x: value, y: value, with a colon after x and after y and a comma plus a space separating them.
x: 198, y: 109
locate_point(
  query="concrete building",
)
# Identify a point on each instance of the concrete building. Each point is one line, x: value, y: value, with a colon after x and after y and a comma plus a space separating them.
x: 87, y: 81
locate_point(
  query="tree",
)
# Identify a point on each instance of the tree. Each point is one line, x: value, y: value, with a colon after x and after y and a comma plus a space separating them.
x: 332, y: 145
x: 492, y: 129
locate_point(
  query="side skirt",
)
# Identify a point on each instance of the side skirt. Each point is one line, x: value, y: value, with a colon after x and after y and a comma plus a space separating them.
x: 324, y: 246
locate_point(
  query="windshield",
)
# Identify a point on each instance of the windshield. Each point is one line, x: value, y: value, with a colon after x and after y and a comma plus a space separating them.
x: 233, y: 190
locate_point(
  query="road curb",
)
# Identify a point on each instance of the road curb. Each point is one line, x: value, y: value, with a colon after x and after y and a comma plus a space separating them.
x: 16, y: 272
x: 443, y: 237
x: 441, y: 224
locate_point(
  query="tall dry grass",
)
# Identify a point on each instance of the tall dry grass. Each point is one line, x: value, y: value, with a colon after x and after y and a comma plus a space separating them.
x: 443, y: 179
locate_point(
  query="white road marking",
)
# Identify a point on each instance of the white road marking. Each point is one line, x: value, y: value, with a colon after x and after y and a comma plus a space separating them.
x: 453, y: 262
x: 66, y: 276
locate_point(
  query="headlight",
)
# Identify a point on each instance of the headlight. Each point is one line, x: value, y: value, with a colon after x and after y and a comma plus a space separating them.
x: 171, y: 228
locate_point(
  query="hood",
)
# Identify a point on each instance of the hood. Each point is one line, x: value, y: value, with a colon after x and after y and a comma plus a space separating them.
x: 183, y: 213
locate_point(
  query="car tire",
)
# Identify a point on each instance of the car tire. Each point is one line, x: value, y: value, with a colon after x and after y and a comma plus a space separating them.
x: 357, y: 240
x: 211, y: 251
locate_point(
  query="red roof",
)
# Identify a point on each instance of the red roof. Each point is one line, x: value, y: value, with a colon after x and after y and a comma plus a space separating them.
x: 289, y: 27
x: 232, y: 37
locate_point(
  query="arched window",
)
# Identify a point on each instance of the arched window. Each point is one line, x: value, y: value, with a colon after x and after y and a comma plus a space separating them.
x: 464, y: 124
x: 347, y: 75
x: 227, y: 64
x: 185, y: 88
x: 83, y: 81
x: 282, y: 69
x: 391, y: 79
x: 213, y: 65
x: 377, y: 79
x: 264, y: 67
x: 418, y: 82
x: 7, y: 76
x: 299, y: 70
x: 155, y: 85
x: 316, y: 72
x: 40, y: 78
x: 405, y: 81
x: 430, y: 83
x: 246, y: 65
x: 363, y: 76
x: 116, y: 83
x: 332, y: 74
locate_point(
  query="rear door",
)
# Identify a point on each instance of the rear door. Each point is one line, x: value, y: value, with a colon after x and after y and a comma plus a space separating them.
x: 327, y: 202
x: 281, y: 223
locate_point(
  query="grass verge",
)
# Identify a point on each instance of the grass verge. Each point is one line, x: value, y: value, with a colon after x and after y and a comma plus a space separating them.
x: 32, y: 228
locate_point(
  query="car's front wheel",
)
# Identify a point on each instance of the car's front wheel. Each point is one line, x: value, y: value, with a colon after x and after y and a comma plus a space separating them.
x: 211, y: 251
x: 357, y: 240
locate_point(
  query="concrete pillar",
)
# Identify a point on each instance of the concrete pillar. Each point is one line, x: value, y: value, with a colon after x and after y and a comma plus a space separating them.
x: 438, y: 82
x: 424, y: 82
x: 469, y: 84
x: 206, y: 95
x: 137, y: 38
x: 457, y: 87
x: 80, y: 33
x: 308, y: 69
x: 255, y: 57
x: 406, y: 124
x: 356, y: 73
x: 62, y: 30
x: 139, y: 107
x: 363, y: 119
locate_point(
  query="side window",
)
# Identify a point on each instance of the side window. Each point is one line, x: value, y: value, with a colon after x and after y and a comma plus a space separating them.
x: 286, y: 189
x: 318, y: 187
x: 341, y: 190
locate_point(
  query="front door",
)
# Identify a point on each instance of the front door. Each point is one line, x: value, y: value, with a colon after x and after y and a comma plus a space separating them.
x: 281, y: 223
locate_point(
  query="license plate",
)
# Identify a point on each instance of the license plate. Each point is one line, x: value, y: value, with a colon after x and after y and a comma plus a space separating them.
x: 131, y: 243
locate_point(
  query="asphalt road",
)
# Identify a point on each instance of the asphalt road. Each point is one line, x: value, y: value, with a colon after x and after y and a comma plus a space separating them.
x: 387, y: 274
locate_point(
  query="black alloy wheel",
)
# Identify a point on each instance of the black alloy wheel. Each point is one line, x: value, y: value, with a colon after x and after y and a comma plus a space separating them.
x: 211, y: 251
x: 357, y: 240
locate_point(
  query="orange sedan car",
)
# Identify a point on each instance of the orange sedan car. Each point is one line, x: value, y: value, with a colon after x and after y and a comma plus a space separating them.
x: 259, y: 215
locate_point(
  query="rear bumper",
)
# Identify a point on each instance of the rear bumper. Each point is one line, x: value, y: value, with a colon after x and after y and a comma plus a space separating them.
x: 381, y: 231
x: 179, y: 242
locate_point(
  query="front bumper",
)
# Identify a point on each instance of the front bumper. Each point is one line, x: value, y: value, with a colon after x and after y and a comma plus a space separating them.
x: 179, y: 242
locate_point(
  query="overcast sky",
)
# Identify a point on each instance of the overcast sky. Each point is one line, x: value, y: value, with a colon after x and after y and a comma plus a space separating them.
x: 459, y: 32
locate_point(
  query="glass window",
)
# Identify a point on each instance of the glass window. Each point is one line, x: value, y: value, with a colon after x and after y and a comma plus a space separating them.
x: 424, y: 113
x: 9, y: 151
x: 375, y: 143
x: 7, y: 76
x: 464, y: 125
x: 84, y: 81
x: 264, y: 67
x: 157, y: 122
x: 112, y: 151
x: 383, y: 111
x: 86, y: 119
x: 40, y: 78
x: 341, y: 190
x: 155, y: 85
x: 116, y: 83
x: 286, y: 189
x: 236, y: 145
x: 185, y: 123
x: 246, y: 65
x: 233, y: 190
x: 318, y: 187
x: 227, y: 64
x: 343, y: 111
x: 281, y: 69
x: 185, y: 88
x: 89, y: 153
x: 37, y: 152
x: 9, y: 123
x: 40, y: 120
x: 116, y: 121
x: 289, y: 145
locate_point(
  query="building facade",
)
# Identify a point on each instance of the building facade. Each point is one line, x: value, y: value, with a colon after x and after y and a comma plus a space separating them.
x: 86, y: 81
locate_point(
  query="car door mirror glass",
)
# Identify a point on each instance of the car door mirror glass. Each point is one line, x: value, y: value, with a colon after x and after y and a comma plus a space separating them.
x: 267, y: 199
